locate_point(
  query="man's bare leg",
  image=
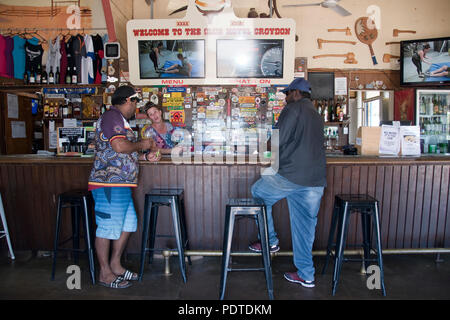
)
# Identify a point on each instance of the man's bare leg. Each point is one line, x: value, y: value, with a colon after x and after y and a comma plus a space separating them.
x: 102, y: 248
x: 117, y: 250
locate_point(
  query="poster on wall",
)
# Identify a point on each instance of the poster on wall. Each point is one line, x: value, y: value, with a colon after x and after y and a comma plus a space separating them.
x: 404, y: 105
x: 211, y: 47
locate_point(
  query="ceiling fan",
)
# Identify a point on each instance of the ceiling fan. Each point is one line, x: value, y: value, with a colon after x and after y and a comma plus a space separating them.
x: 331, y: 4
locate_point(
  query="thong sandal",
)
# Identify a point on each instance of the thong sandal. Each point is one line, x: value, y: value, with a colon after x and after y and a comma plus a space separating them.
x: 128, y: 275
x: 116, y: 284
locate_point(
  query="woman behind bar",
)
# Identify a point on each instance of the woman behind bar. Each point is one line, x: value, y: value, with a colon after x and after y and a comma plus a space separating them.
x: 160, y: 131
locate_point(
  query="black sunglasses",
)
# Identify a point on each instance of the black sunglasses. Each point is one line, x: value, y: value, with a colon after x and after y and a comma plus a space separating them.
x: 135, y: 99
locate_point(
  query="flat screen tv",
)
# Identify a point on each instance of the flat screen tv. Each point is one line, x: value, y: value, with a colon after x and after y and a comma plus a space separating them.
x: 176, y: 59
x: 425, y: 62
x: 257, y: 58
x: 322, y: 85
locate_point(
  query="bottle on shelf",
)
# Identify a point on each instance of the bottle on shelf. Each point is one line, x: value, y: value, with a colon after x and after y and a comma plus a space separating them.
x: 325, y: 113
x: 57, y: 76
x: 69, y: 110
x: 76, y: 110
x: 429, y: 107
x: 25, y: 78
x: 44, y: 76
x: 74, y: 76
x: 51, y: 76
x: 46, y: 109
x: 51, y: 110
x: 65, y: 112
x: 56, y: 110
x: 68, y: 76
x: 32, y: 78
x: 38, y: 74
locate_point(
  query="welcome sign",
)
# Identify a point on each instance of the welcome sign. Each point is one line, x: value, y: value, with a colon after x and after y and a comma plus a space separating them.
x: 210, y: 45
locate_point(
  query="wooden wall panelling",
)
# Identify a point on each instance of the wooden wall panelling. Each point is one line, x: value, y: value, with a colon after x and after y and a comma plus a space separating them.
x: 414, y: 205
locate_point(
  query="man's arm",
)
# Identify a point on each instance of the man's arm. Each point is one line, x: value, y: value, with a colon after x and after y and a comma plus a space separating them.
x: 123, y: 145
x: 286, y: 126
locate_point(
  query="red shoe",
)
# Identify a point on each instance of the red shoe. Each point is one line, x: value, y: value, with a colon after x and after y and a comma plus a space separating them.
x: 256, y: 247
x: 293, y: 277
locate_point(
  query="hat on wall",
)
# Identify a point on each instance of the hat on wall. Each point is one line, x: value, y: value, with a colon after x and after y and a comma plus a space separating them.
x: 299, y: 84
x: 122, y: 93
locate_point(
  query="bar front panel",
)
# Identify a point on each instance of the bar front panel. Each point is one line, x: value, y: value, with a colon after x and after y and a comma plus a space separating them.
x: 413, y: 200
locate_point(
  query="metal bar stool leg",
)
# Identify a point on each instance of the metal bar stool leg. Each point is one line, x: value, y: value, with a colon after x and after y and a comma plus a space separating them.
x: 226, y: 250
x: 145, y: 227
x: 75, y: 232
x: 178, y: 236
x: 365, y: 223
x: 342, y: 234
x: 57, y: 229
x: 87, y: 235
x: 5, y: 228
x: 184, y: 228
x: 334, y: 219
x: 379, y: 252
x: 153, y: 222
x: 262, y: 223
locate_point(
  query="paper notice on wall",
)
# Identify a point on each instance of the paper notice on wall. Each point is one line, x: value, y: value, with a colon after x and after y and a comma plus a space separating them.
x: 13, y: 106
x: 340, y: 86
x: 410, y: 140
x: 390, y: 140
x: 18, y: 129
x: 52, y: 140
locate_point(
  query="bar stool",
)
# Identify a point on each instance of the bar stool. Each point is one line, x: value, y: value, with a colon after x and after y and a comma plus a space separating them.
x: 5, y: 232
x: 173, y: 198
x: 256, y: 209
x: 80, y: 202
x: 344, y: 205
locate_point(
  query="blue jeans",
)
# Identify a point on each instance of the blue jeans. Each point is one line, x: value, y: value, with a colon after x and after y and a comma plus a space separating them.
x: 304, y: 204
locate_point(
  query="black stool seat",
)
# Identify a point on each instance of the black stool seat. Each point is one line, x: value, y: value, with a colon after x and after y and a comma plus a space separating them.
x: 174, y: 198
x: 344, y: 205
x: 80, y: 202
x: 254, y: 208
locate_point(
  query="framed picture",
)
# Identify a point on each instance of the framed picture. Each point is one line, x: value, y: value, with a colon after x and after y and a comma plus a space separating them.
x: 404, y: 105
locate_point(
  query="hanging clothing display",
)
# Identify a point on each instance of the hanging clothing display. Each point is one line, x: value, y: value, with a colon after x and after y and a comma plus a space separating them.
x: 18, y: 54
x: 54, y: 55
x: 87, y: 61
x: 63, y: 63
x: 33, y: 54
x: 97, y: 63
x: 3, y: 67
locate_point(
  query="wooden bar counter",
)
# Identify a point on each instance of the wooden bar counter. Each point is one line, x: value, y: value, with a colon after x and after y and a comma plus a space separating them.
x: 413, y: 195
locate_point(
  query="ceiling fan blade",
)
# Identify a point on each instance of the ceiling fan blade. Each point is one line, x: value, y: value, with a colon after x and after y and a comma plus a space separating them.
x: 302, y: 5
x: 337, y: 8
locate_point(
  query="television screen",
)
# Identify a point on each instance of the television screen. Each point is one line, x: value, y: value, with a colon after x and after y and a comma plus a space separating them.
x: 171, y: 59
x: 258, y: 58
x: 425, y: 61
x: 322, y: 85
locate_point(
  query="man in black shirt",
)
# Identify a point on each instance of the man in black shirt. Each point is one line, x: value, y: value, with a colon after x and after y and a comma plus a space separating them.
x: 300, y: 179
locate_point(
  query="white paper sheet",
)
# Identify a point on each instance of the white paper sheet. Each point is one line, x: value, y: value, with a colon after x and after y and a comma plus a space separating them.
x: 18, y: 129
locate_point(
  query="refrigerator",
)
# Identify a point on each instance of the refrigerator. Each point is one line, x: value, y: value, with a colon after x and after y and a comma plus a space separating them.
x: 433, y: 117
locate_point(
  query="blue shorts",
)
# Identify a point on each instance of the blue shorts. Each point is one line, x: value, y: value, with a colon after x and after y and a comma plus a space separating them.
x: 114, y: 212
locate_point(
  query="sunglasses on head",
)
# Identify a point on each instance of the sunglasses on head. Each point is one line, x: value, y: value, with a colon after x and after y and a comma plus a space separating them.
x: 135, y: 98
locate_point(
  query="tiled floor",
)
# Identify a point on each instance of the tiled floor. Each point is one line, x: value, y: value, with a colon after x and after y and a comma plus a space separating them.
x: 406, y: 277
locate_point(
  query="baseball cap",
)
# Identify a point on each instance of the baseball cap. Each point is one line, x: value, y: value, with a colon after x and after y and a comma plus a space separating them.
x: 122, y: 93
x: 299, y: 84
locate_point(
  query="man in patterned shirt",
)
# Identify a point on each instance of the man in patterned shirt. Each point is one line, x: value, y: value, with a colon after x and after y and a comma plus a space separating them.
x: 114, y: 173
